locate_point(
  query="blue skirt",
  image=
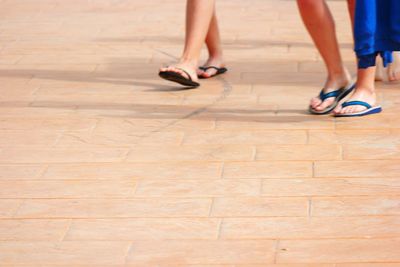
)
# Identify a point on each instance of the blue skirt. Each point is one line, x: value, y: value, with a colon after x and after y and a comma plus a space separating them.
x: 377, y: 31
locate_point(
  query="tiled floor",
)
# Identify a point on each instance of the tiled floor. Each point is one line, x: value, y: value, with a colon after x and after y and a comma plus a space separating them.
x: 104, y: 164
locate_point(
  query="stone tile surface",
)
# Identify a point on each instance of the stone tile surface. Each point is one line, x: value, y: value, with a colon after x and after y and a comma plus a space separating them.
x: 104, y: 164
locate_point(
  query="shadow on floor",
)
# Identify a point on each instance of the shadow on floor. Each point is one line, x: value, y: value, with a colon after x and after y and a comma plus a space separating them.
x: 232, y: 44
x: 175, y: 112
x: 138, y: 72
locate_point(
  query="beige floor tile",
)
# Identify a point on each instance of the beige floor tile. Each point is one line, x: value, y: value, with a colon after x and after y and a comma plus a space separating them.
x: 63, y: 155
x: 339, y: 251
x: 309, y: 228
x: 245, y: 137
x: 259, y: 207
x: 112, y: 171
x: 287, y: 122
x: 114, y: 208
x: 61, y: 252
x: 357, y: 168
x: 198, y: 188
x: 110, y: 139
x: 115, y: 171
x: 355, y: 206
x: 318, y: 66
x: 10, y: 59
x: 143, y: 229
x: 298, y: 152
x: 267, y: 169
x: 192, y: 153
x: 382, y: 121
x: 102, y: 163
x: 377, y: 150
x: 351, y: 137
x: 33, y: 230
x: 369, y: 264
x: 129, y: 125
x: 202, y: 252
x: 66, y: 189
x: 20, y: 171
x: 247, y: 265
x: 48, y: 124
x: 331, y: 187
x: 8, y: 207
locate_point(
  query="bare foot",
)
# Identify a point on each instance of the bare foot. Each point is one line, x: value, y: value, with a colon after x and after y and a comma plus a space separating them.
x: 360, y: 94
x: 390, y: 73
x: 212, y: 61
x: 181, y: 67
x: 393, y: 70
x: 332, y: 84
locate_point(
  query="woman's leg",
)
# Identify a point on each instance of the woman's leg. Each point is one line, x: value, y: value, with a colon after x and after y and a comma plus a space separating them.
x: 352, y: 11
x: 365, y: 91
x: 213, y: 41
x: 320, y: 24
x: 198, y: 18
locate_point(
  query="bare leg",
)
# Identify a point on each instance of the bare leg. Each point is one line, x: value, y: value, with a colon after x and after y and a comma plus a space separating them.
x: 320, y: 24
x: 198, y: 18
x: 365, y: 91
x: 352, y: 10
x: 213, y: 41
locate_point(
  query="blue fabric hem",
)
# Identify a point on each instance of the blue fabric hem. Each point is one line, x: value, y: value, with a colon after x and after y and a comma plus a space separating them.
x: 367, y: 61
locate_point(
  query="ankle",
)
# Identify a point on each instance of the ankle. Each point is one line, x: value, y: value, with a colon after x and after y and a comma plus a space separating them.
x: 368, y: 89
x: 342, y: 75
x: 216, y: 56
x: 189, y: 62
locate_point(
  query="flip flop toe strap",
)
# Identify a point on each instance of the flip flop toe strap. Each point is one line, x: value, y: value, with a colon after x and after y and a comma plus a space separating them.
x: 208, y: 68
x: 218, y: 70
x: 357, y: 103
x: 323, y: 96
x: 187, y: 73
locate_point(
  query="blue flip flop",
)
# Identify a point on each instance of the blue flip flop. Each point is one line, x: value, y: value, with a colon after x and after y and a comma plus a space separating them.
x: 369, y: 111
x: 339, y: 95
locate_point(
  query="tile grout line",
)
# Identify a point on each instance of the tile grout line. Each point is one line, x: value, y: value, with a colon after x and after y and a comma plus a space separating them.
x: 43, y: 171
x: 128, y: 252
x: 211, y: 207
x: 94, y: 127
x: 254, y: 156
x: 135, y: 188
x: 222, y: 171
x: 182, y: 139
x: 277, y: 245
x: 13, y: 215
x: 58, y: 139
x: 126, y: 156
x: 214, y: 124
x: 313, y: 169
x: 220, y: 229
x: 341, y: 151
x: 66, y: 230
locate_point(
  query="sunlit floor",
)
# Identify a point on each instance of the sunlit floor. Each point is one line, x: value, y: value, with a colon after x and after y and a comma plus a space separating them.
x: 104, y: 164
